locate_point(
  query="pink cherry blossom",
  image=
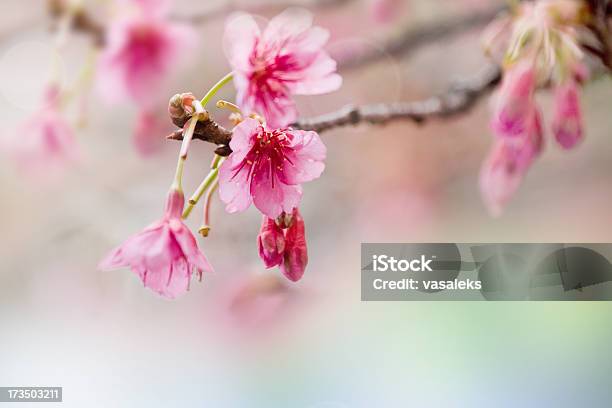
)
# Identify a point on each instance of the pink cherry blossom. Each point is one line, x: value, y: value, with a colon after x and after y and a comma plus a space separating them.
x: 514, y: 103
x: 286, y: 59
x: 164, y: 255
x: 44, y: 145
x: 141, y: 51
x: 567, y: 120
x: 149, y: 132
x: 510, y: 159
x: 295, y: 256
x: 271, y: 242
x: 268, y: 166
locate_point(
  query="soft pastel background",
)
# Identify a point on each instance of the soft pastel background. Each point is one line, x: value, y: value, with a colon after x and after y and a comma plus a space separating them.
x: 111, y: 343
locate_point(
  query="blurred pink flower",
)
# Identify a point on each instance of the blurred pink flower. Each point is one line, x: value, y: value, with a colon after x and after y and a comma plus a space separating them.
x: 271, y: 242
x: 508, y: 162
x: 286, y: 59
x: 141, y: 51
x: 515, y: 102
x: 44, y: 145
x: 567, y: 120
x: 267, y: 167
x: 164, y: 255
x: 385, y: 11
x: 295, y: 257
x: 253, y: 301
x: 149, y: 133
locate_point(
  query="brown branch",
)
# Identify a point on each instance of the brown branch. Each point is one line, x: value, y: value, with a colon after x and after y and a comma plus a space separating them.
x: 458, y: 99
x: 600, y: 11
x: 271, y: 6
x: 412, y: 38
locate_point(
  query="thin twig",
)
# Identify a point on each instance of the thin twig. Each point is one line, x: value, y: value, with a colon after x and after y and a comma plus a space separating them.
x: 269, y: 6
x: 458, y: 99
x: 412, y: 38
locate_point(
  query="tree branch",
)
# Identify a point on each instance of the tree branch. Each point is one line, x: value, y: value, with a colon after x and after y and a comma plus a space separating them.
x: 458, y: 99
x: 412, y: 38
x: 271, y: 6
x: 600, y: 28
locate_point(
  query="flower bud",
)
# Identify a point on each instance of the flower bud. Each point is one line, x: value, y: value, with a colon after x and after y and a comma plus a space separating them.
x: 295, y: 256
x: 567, y: 120
x: 180, y: 108
x: 515, y: 104
x: 271, y: 241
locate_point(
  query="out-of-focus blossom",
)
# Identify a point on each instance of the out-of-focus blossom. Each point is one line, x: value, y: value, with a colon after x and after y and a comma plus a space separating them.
x: 267, y: 167
x: 514, y: 104
x: 295, y: 257
x: 567, y: 120
x: 286, y: 59
x: 503, y: 171
x: 151, y: 127
x: 385, y: 11
x: 253, y: 301
x: 141, y: 51
x: 44, y: 145
x: 541, y: 46
x: 271, y: 242
x: 164, y: 255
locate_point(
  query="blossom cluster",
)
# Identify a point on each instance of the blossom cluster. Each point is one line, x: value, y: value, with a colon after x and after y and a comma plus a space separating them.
x: 541, y: 48
x: 269, y: 160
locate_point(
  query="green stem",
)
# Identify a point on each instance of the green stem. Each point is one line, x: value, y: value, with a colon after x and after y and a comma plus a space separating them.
x: 204, y: 185
x: 177, y: 184
x: 216, y: 88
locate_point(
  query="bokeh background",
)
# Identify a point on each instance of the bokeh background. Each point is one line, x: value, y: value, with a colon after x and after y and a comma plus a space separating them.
x: 245, y: 338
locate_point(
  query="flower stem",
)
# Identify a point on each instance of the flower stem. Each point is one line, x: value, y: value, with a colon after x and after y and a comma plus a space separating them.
x: 209, y: 95
x: 204, y: 185
x: 177, y: 184
x: 205, y: 228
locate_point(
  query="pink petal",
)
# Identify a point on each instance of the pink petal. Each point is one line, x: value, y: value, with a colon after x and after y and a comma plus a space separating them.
x: 114, y: 260
x: 243, y: 138
x: 239, y: 39
x: 234, y: 186
x: 290, y: 23
x: 189, y: 247
x: 305, y: 161
x: 272, y: 197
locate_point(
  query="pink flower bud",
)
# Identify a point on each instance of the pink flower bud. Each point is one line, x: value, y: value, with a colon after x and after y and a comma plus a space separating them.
x: 510, y: 159
x: 514, y: 103
x: 271, y: 241
x: 567, y: 120
x: 179, y: 106
x: 296, y: 253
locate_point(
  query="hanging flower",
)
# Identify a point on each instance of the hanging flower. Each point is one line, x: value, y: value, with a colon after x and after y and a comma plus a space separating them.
x: 541, y: 45
x: 286, y: 59
x: 164, y: 255
x: 295, y: 256
x: 514, y: 103
x: 271, y: 243
x: 268, y: 166
x: 503, y: 171
x: 567, y: 120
